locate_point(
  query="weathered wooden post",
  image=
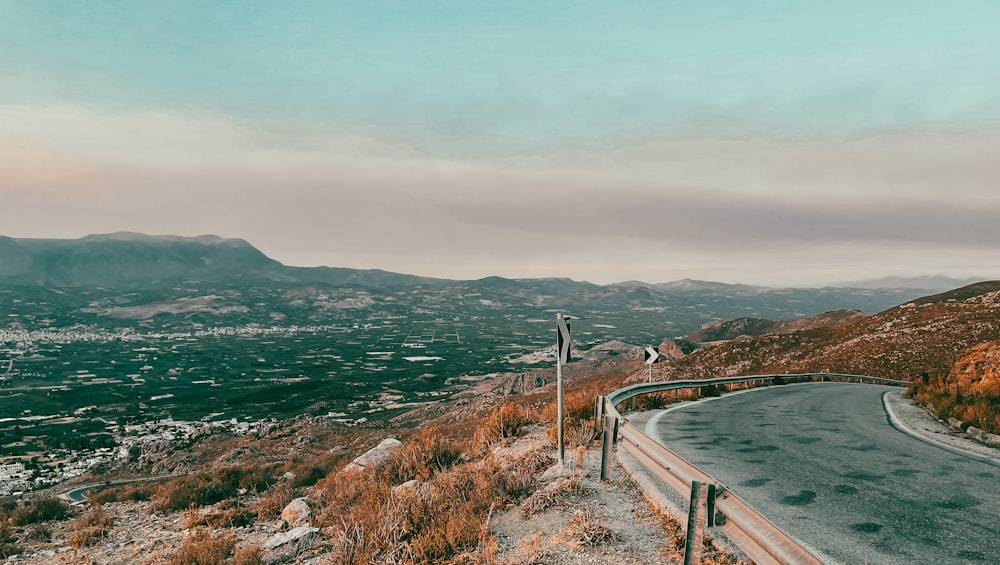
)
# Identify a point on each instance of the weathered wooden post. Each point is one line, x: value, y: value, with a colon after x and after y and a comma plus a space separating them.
x: 598, y: 414
x: 610, y: 427
x: 710, y: 506
x: 696, y: 524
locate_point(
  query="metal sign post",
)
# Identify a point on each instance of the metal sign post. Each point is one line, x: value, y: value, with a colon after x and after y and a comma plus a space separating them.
x: 562, y: 356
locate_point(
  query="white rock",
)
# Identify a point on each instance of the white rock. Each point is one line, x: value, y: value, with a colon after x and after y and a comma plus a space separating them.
x: 375, y: 456
x: 410, y: 485
x: 296, y: 534
x: 296, y: 511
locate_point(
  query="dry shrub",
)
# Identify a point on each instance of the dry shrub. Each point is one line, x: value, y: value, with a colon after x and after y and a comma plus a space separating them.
x: 579, y: 435
x: 586, y: 529
x: 40, y: 510
x: 7, y: 545
x: 91, y: 528
x: 271, y: 504
x: 202, y: 548
x: 654, y: 401
x: 559, y: 493
x: 578, y: 413
x: 422, y: 456
x: 137, y: 493
x: 222, y: 518
x: 310, y: 471
x: 40, y: 532
x: 504, y: 422
x: 207, y: 488
x: 249, y: 555
x: 444, y: 518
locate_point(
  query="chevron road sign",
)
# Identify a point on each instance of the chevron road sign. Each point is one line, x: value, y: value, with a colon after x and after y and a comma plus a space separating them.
x: 563, y: 340
x: 652, y: 355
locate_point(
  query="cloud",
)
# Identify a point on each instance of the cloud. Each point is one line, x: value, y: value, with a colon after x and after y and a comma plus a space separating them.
x: 654, y: 209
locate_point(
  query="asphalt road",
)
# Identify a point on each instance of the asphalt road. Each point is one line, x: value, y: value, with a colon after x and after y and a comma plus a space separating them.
x: 823, y: 463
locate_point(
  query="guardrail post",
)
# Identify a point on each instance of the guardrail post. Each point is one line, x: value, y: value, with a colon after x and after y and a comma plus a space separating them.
x: 598, y: 414
x: 713, y: 493
x: 696, y: 524
x: 610, y: 427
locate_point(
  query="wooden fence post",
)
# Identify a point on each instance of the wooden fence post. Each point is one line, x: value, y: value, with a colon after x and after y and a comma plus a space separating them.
x: 610, y: 425
x: 696, y: 524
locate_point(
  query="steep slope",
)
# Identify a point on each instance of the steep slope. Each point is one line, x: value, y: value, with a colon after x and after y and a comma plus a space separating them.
x: 732, y: 329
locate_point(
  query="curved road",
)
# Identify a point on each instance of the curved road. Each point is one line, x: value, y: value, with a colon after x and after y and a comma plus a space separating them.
x: 823, y: 463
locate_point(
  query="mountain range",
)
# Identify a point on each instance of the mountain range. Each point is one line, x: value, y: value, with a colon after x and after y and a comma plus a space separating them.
x: 176, y: 283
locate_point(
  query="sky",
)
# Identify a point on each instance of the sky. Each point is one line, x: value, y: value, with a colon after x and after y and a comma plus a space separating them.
x: 765, y: 142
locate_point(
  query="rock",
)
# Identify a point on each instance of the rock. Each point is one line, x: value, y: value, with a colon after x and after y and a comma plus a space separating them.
x: 412, y: 485
x: 296, y: 534
x: 296, y: 511
x: 955, y: 423
x: 375, y: 456
x: 559, y: 471
x: 288, y: 477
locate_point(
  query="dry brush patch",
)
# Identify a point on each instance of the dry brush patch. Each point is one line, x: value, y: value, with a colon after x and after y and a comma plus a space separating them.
x: 445, y: 516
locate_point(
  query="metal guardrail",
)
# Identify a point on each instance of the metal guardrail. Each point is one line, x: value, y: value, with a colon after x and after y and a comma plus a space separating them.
x: 760, y: 539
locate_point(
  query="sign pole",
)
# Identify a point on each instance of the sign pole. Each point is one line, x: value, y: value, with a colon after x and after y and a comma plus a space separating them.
x: 650, y: 373
x: 563, y: 347
x: 560, y: 324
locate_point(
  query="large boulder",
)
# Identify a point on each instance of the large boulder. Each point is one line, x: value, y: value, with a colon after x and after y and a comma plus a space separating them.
x: 375, y: 456
x: 296, y: 512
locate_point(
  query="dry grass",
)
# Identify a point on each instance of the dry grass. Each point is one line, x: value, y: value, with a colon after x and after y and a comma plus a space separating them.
x: 504, y: 422
x: 446, y: 517
x: 587, y: 529
x: 207, y: 488
x: 7, y: 545
x: 203, y: 548
x: 136, y: 492
x: 557, y: 494
x: 91, y: 528
x: 39, y: 510
x: 949, y: 400
x: 269, y: 506
x: 228, y: 517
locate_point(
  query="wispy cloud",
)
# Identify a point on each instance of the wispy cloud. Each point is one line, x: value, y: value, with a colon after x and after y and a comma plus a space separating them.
x: 808, y: 210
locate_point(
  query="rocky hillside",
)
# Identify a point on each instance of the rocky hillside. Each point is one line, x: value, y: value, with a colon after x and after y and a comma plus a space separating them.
x: 969, y: 392
x: 924, y: 336
x: 732, y: 329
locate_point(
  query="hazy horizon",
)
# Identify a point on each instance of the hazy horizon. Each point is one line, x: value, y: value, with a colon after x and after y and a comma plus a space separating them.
x: 768, y: 143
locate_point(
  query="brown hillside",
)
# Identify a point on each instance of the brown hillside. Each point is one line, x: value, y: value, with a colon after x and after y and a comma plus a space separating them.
x: 732, y: 329
x: 926, y: 336
x: 978, y: 370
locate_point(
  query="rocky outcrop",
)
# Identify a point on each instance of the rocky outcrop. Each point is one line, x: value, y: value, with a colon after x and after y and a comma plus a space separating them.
x: 284, y: 538
x: 977, y: 371
x: 374, y: 456
x: 521, y: 383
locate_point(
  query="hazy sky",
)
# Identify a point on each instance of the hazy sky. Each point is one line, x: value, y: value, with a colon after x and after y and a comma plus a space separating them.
x: 768, y: 142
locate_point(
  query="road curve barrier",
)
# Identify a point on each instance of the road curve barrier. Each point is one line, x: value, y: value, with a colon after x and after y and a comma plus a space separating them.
x: 760, y: 539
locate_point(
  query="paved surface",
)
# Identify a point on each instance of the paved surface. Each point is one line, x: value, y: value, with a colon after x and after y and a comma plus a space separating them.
x: 823, y: 463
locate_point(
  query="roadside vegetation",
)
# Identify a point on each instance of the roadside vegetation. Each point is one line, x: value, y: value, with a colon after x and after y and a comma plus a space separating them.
x: 948, y: 399
x: 969, y: 391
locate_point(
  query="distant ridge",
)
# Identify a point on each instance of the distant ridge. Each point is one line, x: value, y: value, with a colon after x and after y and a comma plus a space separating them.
x: 936, y: 282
